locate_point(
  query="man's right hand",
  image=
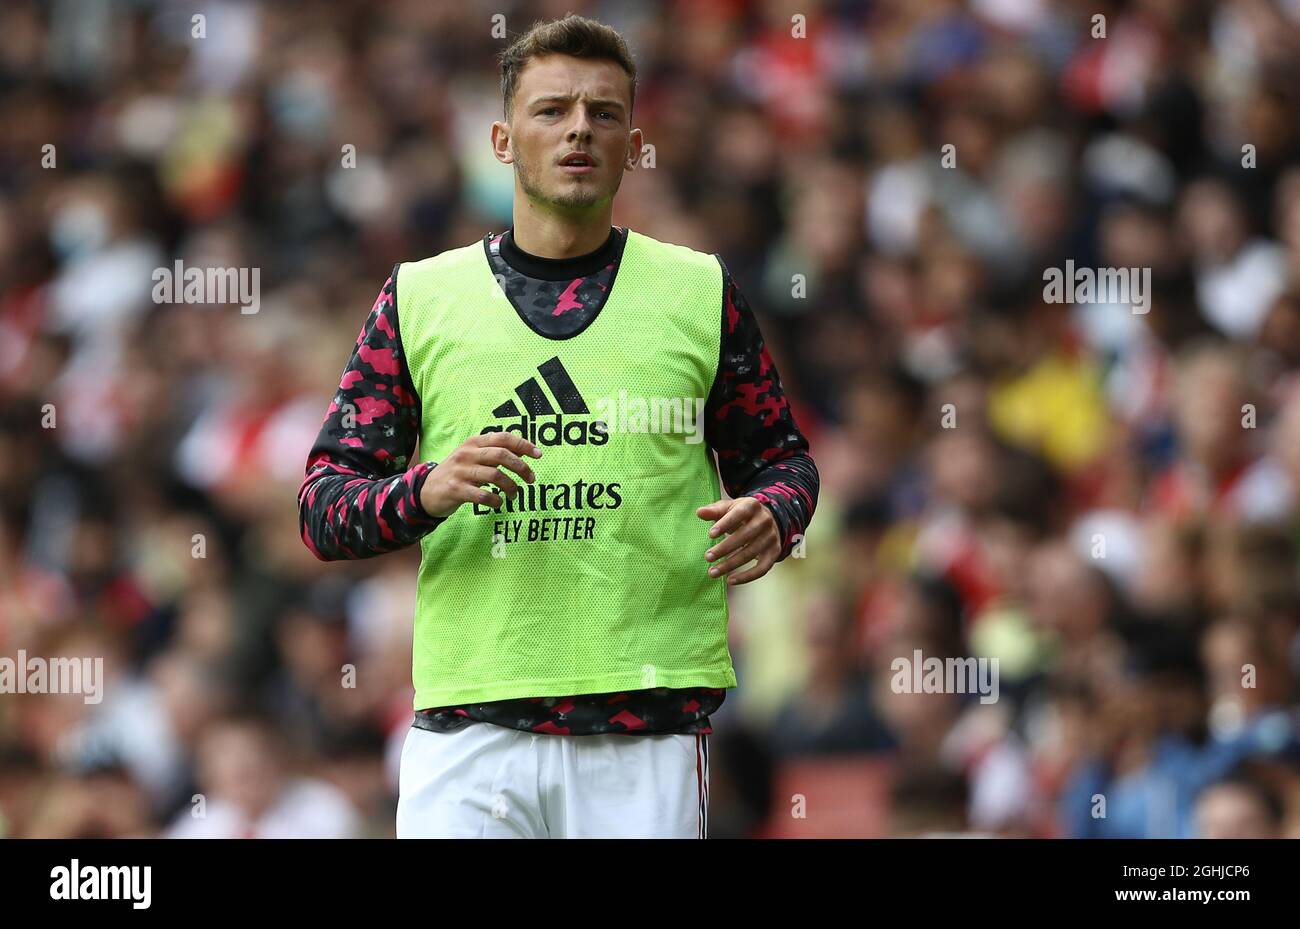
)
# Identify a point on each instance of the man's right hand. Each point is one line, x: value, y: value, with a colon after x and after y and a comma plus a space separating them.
x: 459, y: 478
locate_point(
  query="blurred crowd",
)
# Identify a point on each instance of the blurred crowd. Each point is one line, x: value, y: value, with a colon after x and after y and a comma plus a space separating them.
x: 1102, y: 499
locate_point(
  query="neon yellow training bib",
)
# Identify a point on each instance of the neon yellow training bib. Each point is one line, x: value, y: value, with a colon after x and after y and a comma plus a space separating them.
x: 594, y: 579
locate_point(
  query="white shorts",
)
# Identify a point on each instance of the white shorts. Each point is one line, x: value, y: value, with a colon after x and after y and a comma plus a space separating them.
x: 487, y: 781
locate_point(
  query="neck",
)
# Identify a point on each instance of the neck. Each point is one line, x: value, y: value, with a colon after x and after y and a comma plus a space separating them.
x: 550, y: 235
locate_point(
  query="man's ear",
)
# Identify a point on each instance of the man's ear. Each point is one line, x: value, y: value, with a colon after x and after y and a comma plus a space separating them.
x: 501, y: 143
x: 635, y: 142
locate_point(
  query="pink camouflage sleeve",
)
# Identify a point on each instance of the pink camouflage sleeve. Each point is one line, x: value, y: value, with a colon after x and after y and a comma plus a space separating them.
x: 358, y: 498
x: 748, y: 422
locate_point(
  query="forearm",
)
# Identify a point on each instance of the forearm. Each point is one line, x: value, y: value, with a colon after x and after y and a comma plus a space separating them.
x: 788, y: 488
x: 345, y: 516
x: 358, y: 497
x: 749, y: 423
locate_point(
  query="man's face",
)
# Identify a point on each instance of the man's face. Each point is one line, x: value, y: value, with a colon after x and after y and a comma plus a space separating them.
x: 568, y: 136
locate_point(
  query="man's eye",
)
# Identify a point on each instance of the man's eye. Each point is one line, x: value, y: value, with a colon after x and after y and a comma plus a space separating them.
x: 606, y: 113
x: 550, y: 110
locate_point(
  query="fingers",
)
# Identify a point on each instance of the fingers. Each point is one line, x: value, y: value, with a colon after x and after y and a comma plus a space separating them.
x: 468, y: 493
x: 482, y: 474
x: 751, y: 535
x: 739, y: 511
x: 510, y: 440
x: 750, y: 574
x: 714, y: 510
x: 499, y: 455
x: 761, y: 548
x: 734, y: 561
x: 744, y: 535
x: 474, y: 462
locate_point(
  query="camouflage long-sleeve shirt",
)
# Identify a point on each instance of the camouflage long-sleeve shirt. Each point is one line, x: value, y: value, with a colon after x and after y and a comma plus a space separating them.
x: 360, y: 496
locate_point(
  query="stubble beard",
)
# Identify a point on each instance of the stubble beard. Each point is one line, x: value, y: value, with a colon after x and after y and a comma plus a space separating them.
x: 577, y: 197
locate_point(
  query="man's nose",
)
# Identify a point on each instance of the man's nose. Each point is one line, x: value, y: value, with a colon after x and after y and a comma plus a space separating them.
x: 580, y: 129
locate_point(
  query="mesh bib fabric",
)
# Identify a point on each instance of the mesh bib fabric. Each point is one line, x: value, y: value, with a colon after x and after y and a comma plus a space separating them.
x: 594, y: 580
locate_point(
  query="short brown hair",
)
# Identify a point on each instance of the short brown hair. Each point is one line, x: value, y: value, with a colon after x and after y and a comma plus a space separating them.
x: 574, y: 35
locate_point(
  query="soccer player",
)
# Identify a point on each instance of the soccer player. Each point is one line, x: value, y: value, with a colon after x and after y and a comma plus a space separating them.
x: 571, y: 621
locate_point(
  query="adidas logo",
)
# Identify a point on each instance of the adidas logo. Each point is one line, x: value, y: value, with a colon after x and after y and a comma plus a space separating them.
x: 533, y: 422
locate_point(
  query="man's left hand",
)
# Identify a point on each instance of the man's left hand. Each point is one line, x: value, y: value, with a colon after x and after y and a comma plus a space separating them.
x: 752, y: 533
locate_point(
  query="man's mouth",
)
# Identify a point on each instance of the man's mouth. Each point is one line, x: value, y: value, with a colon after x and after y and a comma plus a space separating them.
x: 577, y: 163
